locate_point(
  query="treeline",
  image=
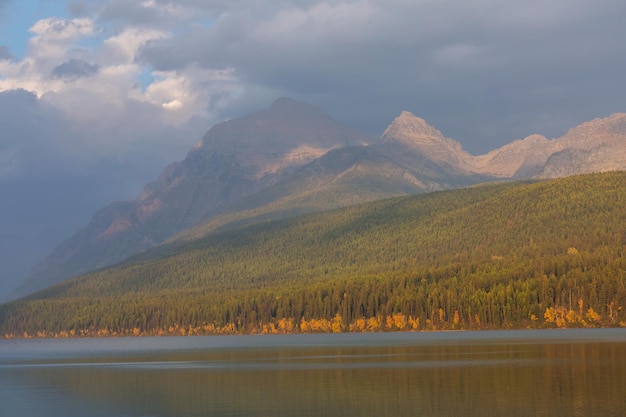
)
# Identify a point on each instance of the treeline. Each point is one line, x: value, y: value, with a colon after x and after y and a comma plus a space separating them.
x: 511, y: 255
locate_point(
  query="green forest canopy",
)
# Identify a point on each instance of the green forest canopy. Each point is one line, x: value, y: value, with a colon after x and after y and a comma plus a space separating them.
x: 507, y: 255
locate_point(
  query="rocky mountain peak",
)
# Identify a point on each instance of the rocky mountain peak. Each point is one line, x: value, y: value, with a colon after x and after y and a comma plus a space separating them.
x: 416, y: 134
x: 594, y: 146
x: 286, y: 125
x: 410, y: 129
x: 590, y: 131
x: 520, y: 158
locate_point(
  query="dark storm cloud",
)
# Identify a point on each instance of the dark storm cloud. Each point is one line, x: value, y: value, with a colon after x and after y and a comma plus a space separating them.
x: 27, y: 217
x: 79, y: 8
x: 55, y: 174
x: 130, y: 12
x: 483, y: 72
x: 25, y: 125
x: 74, y: 69
x: 161, y: 14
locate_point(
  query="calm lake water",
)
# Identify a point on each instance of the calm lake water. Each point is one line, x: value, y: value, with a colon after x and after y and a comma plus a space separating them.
x: 501, y: 373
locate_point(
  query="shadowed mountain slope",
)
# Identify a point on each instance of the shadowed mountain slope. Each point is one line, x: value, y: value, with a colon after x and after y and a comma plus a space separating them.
x: 234, y: 160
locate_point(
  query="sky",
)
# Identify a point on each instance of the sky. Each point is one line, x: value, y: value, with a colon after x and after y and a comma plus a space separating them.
x: 98, y: 96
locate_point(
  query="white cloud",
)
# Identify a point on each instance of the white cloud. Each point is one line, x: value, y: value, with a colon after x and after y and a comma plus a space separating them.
x: 124, y: 46
x: 95, y: 86
x: 56, y: 29
x: 53, y: 36
x: 52, y: 44
x: 192, y: 91
x: 80, y: 104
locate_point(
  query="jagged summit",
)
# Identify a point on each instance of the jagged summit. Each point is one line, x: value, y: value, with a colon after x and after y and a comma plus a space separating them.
x: 521, y: 158
x: 416, y: 134
x: 411, y: 130
x: 286, y: 125
x: 615, y: 123
x: 408, y: 126
x: 594, y: 146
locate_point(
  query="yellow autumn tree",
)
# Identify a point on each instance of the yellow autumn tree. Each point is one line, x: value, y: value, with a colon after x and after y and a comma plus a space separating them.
x: 592, y: 316
x: 337, y: 324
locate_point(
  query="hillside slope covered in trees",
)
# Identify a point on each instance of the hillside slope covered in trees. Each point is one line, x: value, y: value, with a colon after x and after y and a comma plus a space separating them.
x: 523, y: 254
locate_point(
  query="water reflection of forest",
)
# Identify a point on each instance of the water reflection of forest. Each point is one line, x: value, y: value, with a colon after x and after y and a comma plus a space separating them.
x: 559, y: 379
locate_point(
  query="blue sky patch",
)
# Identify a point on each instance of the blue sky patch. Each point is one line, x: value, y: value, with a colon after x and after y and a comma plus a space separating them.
x: 19, y: 16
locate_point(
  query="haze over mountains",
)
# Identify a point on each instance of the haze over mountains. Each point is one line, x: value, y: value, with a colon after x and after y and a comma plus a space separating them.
x: 292, y: 158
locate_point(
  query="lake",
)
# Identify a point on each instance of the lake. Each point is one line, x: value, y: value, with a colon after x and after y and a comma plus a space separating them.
x: 487, y: 373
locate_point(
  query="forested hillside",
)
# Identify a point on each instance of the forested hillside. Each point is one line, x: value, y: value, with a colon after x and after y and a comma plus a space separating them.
x: 524, y: 254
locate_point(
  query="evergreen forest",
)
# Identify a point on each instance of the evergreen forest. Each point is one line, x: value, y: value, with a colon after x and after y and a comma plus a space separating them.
x: 528, y: 254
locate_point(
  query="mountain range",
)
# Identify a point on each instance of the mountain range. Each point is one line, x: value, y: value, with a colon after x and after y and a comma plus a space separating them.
x: 292, y: 158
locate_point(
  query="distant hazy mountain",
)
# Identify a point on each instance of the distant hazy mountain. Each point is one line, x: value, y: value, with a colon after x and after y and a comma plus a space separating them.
x: 235, y: 159
x: 398, y: 165
x: 595, y: 146
x: 292, y: 158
